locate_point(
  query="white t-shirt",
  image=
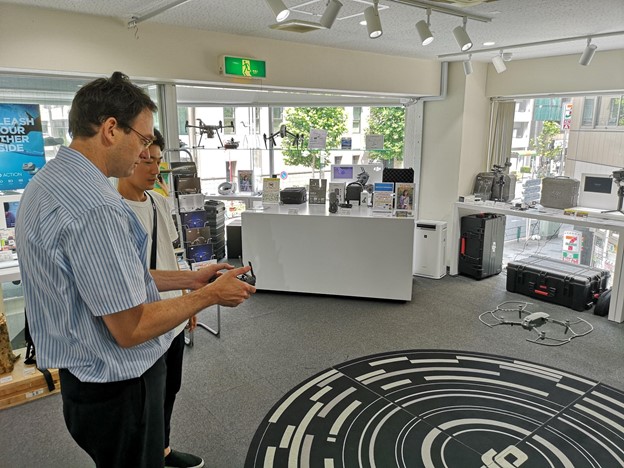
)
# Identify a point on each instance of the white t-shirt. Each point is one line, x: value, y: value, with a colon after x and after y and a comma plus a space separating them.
x: 165, y: 258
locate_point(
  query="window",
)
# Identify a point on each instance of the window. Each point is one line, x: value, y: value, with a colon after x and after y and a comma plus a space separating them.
x: 519, y: 129
x: 587, y: 119
x: 277, y: 116
x: 182, y: 119
x: 256, y: 126
x: 229, y: 120
x: 521, y: 106
x: 616, y: 111
x: 357, y: 120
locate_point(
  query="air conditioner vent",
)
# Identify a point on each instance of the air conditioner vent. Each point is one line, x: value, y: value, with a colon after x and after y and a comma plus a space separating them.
x: 297, y: 26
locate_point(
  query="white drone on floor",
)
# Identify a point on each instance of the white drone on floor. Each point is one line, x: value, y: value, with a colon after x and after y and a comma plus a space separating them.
x: 505, y: 313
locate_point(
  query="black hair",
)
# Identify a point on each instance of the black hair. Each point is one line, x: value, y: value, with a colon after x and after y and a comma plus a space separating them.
x: 159, y: 140
x: 100, y: 99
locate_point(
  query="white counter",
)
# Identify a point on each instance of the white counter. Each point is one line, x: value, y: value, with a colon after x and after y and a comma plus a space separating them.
x: 616, y: 309
x: 304, y: 248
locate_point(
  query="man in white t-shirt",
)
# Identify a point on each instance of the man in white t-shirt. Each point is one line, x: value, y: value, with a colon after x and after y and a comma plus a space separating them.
x: 149, y: 205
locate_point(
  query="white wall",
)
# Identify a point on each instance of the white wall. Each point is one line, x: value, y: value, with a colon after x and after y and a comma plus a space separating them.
x: 40, y: 39
x: 454, y: 141
x: 558, y: 75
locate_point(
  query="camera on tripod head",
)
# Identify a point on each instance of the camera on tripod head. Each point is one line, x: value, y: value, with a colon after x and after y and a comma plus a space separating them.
x: 618, y: 176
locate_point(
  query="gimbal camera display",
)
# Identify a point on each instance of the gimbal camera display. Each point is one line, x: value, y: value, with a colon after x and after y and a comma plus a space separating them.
x: 283, y: 133
x: 618, y: 179
x: 208, y: 130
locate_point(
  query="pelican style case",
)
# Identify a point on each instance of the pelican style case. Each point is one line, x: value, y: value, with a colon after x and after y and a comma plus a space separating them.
x: 481, y: 245
x: 556, y: 281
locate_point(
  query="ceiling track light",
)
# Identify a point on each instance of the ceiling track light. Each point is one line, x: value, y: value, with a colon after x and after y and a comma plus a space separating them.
x: 424, y: 31
x: 536, y: 44
x: 588, y: 53
x: 461, y: 36
x: 331, y: 13
x: 499, y: 63
x: 373, y: 23
x: 279, y: 10
x: 468, y: 65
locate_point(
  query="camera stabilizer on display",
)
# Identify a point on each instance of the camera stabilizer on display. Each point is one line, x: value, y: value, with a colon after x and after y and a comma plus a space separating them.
x: 618, y: 179
x: 282, y: 133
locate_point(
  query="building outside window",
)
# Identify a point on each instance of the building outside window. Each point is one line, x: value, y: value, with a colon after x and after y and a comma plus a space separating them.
x: 589, y: 105
x: 357, y: 120
x: 277, y: 116
x: 229, y: 120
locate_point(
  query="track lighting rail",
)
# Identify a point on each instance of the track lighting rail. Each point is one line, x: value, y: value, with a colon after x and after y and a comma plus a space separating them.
x: 532, y: 44
x: 445, y: 10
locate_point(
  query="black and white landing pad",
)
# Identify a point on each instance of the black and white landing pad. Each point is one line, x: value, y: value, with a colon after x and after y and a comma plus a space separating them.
x: 438, y: 408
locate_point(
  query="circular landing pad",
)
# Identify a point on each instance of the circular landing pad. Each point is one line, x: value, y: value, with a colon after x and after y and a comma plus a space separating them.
x: 440, y: 408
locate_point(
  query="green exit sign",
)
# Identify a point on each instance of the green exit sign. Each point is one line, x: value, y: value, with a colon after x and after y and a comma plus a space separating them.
x: 243, y: 67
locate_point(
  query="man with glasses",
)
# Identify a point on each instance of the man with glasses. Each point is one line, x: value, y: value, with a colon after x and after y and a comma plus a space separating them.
x: 150, y: 207
x: 92, y: 304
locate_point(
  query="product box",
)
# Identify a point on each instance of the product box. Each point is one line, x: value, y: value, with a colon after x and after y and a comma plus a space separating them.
x: 339, y: 189
x: 26, y: 383
x: 318, y: 191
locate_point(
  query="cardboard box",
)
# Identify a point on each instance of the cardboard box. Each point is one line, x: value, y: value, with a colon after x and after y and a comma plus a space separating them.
x: 26, y: 383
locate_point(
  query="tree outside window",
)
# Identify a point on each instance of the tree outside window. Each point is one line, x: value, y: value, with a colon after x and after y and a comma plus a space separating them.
x: 389, y: 122
x: 299, y: 120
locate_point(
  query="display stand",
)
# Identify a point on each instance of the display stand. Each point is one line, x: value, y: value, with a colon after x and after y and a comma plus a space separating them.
x: 620, y: 201
x: 215, y: 331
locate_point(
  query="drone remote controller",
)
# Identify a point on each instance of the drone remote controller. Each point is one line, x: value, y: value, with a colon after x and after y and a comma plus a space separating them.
x: 249, y: 278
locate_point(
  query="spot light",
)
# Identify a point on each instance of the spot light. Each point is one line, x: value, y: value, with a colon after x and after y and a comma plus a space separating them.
x: 330, y: 14
x: 373, y: 23
x: 468, y: 66
x: 499, y: 63
x: 588, y: 53
x: 461, y: 36
x: 424, y: 31
x: 279, y: 9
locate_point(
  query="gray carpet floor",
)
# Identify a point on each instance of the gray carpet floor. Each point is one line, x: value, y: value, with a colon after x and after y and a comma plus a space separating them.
x: 274, y: 341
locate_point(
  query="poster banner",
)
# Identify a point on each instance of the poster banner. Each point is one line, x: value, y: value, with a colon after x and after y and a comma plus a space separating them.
x: 21, y: 145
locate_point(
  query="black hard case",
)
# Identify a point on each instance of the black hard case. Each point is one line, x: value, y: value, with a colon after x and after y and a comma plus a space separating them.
x: 481, y: 245
x: 293, y: 195
x: 215, y: 208
x: 556, y: 281
x: 395, y: 175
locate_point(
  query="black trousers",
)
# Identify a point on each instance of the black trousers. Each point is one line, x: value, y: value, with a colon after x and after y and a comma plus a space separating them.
x: 173, y: 359
x: 119, y: 424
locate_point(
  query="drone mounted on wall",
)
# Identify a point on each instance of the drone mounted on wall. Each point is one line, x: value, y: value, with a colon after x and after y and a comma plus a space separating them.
x: 504, y: 314
x: 209, y: 130
x: 282, y: 133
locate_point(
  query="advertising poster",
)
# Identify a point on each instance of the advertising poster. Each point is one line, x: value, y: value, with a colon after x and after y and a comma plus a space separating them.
x: 21, y: 145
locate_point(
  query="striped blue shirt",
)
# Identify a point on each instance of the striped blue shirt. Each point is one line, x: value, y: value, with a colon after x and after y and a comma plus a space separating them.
x: 82, y: 255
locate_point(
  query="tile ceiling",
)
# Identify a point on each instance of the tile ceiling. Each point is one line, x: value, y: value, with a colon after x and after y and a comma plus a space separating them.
x: 512, y: 22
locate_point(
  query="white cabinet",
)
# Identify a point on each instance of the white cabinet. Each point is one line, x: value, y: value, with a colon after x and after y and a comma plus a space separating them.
x: 314, y: 251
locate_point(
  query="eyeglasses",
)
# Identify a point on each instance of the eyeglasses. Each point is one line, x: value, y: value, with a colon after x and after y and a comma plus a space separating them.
x: 147, y: 142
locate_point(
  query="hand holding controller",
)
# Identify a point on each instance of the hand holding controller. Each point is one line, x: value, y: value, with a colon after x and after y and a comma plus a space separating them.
x: 249, y: 278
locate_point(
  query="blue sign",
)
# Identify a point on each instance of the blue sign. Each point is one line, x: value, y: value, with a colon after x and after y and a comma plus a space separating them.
x: 21, y: 145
